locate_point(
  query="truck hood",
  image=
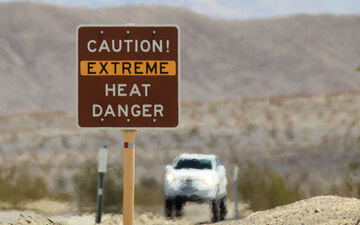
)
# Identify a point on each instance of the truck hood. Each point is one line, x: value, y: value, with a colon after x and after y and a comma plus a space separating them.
x: 194, y: 174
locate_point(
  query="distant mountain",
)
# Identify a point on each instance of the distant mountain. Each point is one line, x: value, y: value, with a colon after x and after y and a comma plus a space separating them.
x: 221, y: 59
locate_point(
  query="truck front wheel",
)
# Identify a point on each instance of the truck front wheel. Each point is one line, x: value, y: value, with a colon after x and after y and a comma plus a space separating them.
x: 215, y: 210
x: 179, y: 204
x: 169, y: 203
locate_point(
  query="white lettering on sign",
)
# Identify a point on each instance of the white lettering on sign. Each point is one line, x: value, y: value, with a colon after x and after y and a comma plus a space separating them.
x: 146, y: 109
x: 114, y: 47
x: 128, y: 45
x: 109, y: 110
x: 158, y: 109
x: 107, y: 89
x: 143, y: 47
x: 89, y: 46
x: 120, y: 90
x: 104, y: 46
x: 146, y: 88
x: 135, y: 91
x: 125, y: 110
x: 135, y: 110
x: 97, y: 110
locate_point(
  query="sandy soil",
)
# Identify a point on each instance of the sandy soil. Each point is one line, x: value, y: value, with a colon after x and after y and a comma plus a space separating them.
x: 328, y: 210
x: 29, y: 218
x: 60, y: 214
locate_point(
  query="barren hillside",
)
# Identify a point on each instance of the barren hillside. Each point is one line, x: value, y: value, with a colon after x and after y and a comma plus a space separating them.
x: 221, y: 59
x: 306, y: 139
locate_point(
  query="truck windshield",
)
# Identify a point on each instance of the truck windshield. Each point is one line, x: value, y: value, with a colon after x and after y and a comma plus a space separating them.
x: 193, y: 164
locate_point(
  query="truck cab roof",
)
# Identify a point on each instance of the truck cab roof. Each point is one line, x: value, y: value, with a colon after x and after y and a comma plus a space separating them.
x: 196, y: 156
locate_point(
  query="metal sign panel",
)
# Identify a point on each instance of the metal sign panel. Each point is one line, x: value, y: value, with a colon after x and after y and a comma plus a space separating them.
x: 128, y: 76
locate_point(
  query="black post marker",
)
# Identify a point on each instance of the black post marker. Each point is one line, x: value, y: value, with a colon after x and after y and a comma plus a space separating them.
x: 235, y: 191
x: 100, y: 191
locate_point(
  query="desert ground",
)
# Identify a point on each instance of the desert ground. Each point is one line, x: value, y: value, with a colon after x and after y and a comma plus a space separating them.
x: 328, y: 210
x: 52, y: 212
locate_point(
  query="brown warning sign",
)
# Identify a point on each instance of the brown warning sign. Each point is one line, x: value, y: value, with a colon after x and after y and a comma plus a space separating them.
x: 128, y: 76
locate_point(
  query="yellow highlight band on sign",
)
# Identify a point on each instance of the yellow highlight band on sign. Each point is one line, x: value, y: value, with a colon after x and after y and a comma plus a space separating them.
x: 128, y: 68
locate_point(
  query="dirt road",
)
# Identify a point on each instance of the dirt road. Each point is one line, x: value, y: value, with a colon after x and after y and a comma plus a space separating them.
x: 317, y: 210
x: 59, y: 214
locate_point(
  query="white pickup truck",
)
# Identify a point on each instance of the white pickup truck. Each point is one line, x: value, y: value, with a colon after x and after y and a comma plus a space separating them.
x: 196, y: 178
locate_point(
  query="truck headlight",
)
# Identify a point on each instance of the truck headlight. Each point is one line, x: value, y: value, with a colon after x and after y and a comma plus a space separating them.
x: 209, y: 180
x: 170, y: 178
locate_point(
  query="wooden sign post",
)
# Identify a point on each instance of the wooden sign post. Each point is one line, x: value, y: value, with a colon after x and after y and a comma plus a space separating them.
x: 129, y: 176
x: 128, y: 77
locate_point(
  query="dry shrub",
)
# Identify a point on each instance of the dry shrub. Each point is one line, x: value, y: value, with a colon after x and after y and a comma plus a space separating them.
x: 149, y: 192
x: 350, y: 184
x: 263, y: 188
x: 86, y: 183
x: 18, y: 186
